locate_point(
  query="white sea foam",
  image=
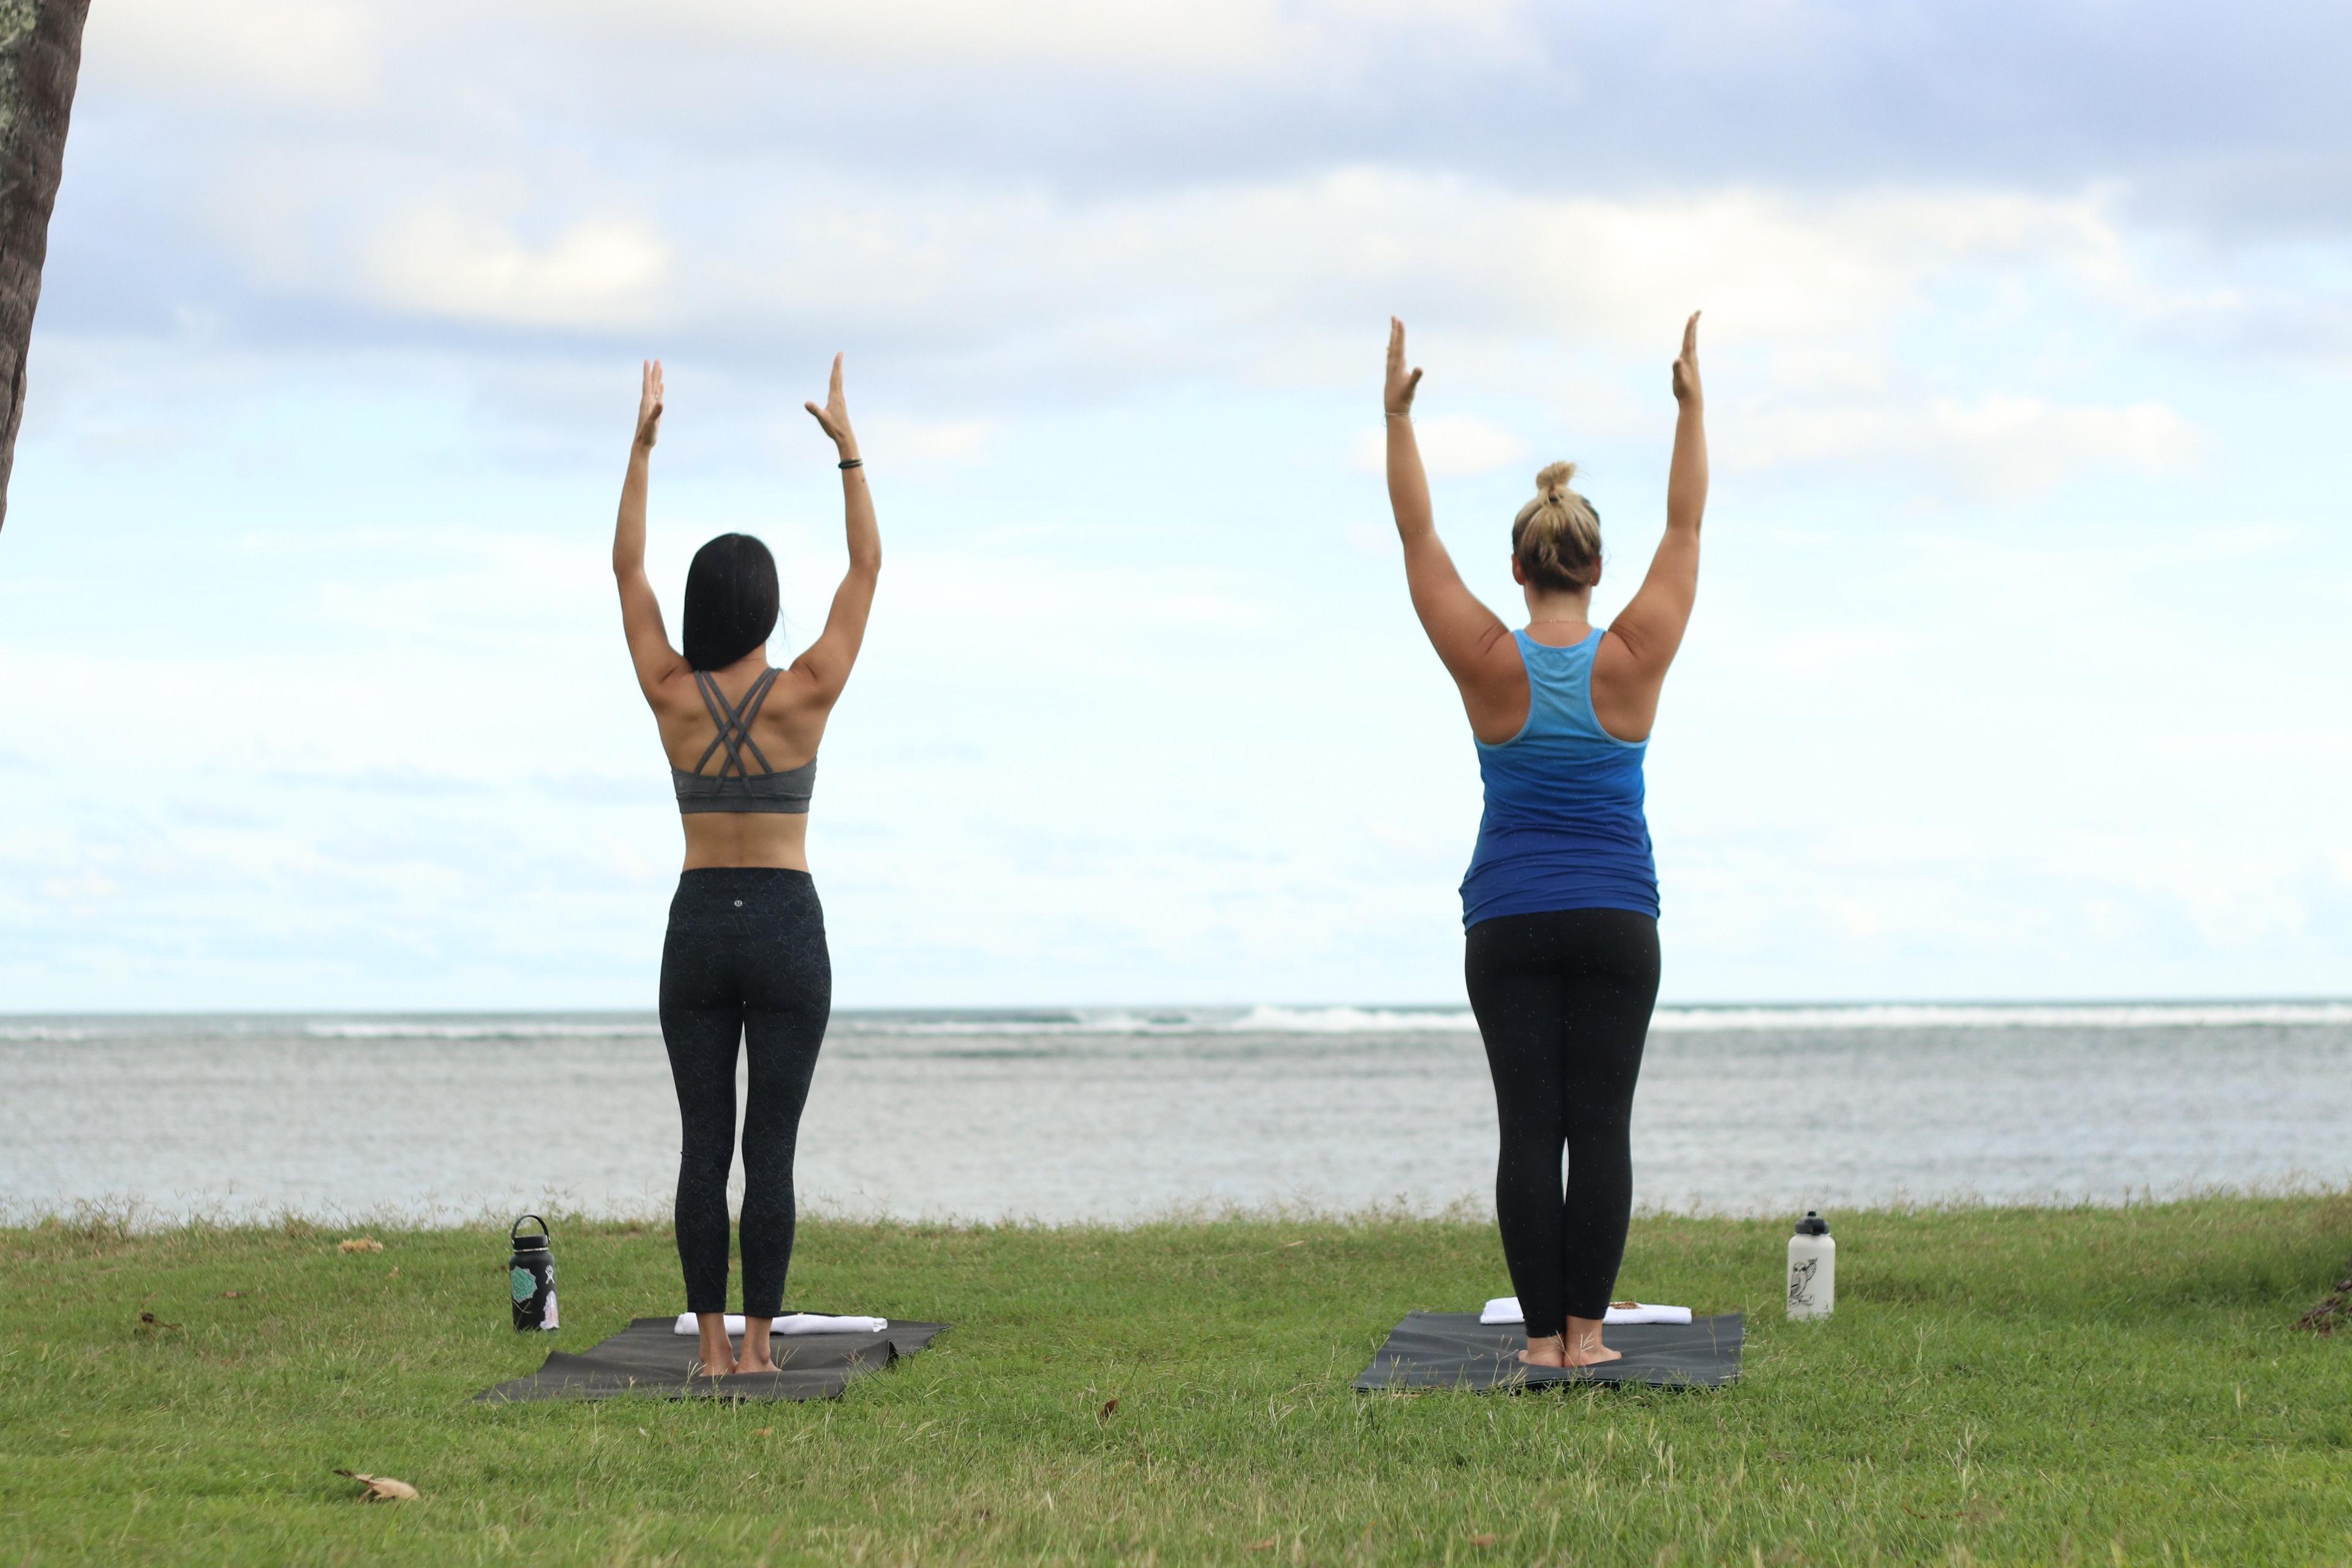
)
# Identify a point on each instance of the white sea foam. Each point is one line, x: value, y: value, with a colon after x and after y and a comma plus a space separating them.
x: 475, y: 1029
x: 1359, y: 1020
x: 2051, y: 1016
x: 1263, y: 1020
x: 1354, y: 1020
x: 1072, y: 1023
x: 1176, y: 1021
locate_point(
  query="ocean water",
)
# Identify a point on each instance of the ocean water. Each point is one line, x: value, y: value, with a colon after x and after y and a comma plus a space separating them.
x: 1105, y: 1114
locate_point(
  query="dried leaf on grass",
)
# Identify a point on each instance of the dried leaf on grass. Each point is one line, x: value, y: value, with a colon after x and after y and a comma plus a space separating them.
x: 1110, y: 1408
x: 360, y: 1243
x: 2333, y: 1311
x: 1268, y: 1544
x: 383, y: 1488
x: 1482, y: 1540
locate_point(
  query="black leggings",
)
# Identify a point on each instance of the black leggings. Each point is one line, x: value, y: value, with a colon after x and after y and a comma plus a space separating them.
x: 745, y: 960
x: 1563, y: 1002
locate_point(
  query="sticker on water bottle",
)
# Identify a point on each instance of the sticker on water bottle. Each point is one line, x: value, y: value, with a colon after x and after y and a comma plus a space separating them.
x: 549, y: 1322
x: 1800, y: 1282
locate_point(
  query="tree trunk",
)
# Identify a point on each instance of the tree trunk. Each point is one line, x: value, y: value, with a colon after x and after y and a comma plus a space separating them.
x: 40, y: 57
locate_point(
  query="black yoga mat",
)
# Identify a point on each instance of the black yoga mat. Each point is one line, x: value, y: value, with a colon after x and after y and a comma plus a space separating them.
x: 651, y: 1357
x: 1455, y: 1349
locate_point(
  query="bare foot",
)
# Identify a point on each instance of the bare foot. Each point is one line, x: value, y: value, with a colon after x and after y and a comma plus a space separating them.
x: 1579, y: 1345
x: 718, y: 1355
x: 1584, y: 1346
x: 757, y: 1347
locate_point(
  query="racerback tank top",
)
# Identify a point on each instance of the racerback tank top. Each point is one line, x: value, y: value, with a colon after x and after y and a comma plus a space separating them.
x: 1563, y: 828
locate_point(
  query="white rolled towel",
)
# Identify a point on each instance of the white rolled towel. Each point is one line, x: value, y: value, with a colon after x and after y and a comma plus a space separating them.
x: 794, y: 1323
x: 1506, y: 1309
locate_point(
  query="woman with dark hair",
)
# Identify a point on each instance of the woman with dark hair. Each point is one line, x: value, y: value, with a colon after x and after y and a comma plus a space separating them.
x: 745, y: 960
x: 1561, y: 902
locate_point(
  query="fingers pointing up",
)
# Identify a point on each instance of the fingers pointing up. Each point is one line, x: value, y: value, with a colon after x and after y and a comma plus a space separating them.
x: 1397, y: 396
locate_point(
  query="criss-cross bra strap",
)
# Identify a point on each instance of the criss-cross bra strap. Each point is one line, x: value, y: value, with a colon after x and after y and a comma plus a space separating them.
x: 734, y: 721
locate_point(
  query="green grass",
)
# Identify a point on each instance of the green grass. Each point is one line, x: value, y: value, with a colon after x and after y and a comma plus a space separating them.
x: 1999, y: 1386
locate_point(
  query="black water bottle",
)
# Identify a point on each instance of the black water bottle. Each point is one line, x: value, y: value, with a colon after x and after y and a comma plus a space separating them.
x: 531, y: 1276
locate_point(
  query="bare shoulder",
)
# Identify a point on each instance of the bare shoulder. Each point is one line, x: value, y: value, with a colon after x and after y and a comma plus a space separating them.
x: 1495, y: 659
x: 674, y: 692
x: 1616, y: 660
x: 802, y: 689
x: 1494, y: 686
x: 1625, y: 687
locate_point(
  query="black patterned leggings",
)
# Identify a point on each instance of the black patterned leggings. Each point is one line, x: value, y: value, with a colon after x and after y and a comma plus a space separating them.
x: 1563, y: 1001
x: 745, y: 961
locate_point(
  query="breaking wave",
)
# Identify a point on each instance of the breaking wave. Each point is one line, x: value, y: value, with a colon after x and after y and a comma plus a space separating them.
x: 1305, y: 1021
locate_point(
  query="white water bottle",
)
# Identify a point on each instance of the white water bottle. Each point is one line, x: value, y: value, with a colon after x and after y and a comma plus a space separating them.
x: 1812, y: 1268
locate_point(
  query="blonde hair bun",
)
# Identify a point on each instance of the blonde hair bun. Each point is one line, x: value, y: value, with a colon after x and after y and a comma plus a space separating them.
x: 1556, y: 538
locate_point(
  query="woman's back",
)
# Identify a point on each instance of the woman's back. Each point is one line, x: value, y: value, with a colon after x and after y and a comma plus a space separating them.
x: 692, y: 718
x: 1563, y: 826
x: 729, y: 723
x: 746, y: 803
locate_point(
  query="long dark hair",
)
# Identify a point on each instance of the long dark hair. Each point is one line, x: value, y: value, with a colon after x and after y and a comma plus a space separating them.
x: 731, y: 600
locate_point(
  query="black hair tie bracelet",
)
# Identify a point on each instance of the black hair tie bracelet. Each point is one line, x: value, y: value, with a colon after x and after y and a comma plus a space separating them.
x: 854, y: 463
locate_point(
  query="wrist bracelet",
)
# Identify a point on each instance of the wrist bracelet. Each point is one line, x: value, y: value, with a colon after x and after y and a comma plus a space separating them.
x: 853, y: 463
x: 1402, y: 414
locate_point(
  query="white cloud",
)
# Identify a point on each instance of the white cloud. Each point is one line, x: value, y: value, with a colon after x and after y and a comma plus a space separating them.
x: 1282, y: 261
x: 935, y: 440
x: 596, y: 273
x: 309, y: 51
x: 1998, y: 447
x: 2010, y: 444
x: 1277, y: 278
x: 1213, y: 38
x: 1451, y: 446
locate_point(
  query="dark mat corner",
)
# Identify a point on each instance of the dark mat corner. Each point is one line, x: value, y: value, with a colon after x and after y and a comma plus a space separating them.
x: 651, y: 1358
x: 1455, y: 1349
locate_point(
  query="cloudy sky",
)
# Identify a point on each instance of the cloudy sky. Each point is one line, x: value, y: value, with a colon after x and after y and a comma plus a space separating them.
x: 2021, y: 662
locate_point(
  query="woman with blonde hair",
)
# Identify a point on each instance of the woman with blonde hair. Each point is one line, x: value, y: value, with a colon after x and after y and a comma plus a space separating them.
x: 1561, y: 903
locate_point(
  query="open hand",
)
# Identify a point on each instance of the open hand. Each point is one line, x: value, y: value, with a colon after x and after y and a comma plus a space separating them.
x: 1687, y: 364
x: 834, y: 416
x: 649, y: 405
x: 1396, y: 397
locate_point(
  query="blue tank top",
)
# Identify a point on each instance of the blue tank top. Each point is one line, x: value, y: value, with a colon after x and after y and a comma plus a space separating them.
x: 1563, y: 828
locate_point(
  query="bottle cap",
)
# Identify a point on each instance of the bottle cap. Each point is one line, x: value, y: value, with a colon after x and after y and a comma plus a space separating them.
x: 1813, y: 1225
x: 529, y: 1243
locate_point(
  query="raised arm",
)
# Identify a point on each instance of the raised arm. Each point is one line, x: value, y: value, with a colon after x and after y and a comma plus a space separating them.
x: 1471, y: 640
x: 825, y: 664
x: 1646, y: 633
x: 641, y: 617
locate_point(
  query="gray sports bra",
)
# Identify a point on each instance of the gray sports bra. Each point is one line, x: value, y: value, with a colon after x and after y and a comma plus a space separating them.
x: 741, y: 789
